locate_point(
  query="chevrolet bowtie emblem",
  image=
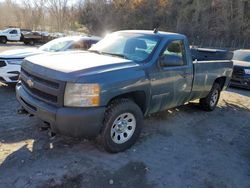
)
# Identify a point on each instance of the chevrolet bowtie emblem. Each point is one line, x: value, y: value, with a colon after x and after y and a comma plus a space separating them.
x: 30, y: 83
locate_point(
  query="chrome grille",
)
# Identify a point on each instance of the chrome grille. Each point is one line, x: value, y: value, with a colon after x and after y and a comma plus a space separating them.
x: 43, y: 88
x: 2, y: 63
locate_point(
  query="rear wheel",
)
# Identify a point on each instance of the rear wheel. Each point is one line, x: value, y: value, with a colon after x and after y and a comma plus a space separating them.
x: 122, y: 125
x: 210, y: 102
x: 31, y: 42
x: 3, y: 40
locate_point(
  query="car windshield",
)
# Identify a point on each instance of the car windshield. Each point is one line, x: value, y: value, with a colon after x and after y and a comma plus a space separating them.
x: 56, y: 45
x: 242, y: 55
x: 6, y: 30
x: 131, y: 46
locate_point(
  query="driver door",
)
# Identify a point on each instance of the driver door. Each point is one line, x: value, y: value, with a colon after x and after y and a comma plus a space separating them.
x: 171, y: 84
x: 14, y: 35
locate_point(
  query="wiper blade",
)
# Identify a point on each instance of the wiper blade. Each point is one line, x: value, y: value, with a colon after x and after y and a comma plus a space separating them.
x: 114, y: 54
x: 107, y: 53
x: 95, y: 51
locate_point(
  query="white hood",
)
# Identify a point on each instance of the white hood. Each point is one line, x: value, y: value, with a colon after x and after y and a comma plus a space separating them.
x: 20, y: 53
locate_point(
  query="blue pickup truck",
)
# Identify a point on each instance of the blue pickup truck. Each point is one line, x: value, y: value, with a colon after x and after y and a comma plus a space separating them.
x: 106, y: 92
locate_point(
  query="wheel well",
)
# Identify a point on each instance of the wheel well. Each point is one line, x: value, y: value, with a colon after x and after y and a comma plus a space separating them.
x: 139, y: 97
x: 3, y: 37
x: 221, y: 81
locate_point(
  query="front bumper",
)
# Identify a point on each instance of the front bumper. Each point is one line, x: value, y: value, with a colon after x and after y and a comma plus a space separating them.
x: 76, y: 122
x: 240, y: 81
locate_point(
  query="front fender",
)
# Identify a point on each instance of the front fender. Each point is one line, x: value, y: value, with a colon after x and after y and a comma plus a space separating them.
x: 124, y: 82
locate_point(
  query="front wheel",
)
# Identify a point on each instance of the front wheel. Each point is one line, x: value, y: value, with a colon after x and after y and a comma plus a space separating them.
x: 3, y: 40
x: 210, y: 102
x: 122, y: 125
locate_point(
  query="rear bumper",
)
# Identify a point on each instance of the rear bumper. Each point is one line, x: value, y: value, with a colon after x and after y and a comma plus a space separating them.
x: 241, y: 81
x: 76, y: 122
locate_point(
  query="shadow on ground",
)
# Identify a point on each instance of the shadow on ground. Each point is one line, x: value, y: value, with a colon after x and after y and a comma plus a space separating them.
x: 240, y: 91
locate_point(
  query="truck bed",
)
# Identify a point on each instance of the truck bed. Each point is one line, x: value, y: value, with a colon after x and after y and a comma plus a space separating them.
x: 205, y: 54
x: 206, y: 72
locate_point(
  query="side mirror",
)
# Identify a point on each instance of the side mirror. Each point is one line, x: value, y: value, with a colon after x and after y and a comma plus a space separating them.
x: 171, y: 60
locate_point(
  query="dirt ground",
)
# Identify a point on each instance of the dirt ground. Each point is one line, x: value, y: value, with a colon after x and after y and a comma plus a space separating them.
x: 182, y: 147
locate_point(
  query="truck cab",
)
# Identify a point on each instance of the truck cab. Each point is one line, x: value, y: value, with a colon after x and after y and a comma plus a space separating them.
x: 10, y: 34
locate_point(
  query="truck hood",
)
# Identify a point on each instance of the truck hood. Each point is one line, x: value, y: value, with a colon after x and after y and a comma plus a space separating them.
x: 70, y: 66
x: 20, y: 53
x: 241, y: 63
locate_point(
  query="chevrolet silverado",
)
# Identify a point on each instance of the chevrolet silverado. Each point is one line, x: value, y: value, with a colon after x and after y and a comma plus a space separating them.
x: 105, y: 92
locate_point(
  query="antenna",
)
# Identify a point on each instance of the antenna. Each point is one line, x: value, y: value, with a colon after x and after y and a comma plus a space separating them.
x: 155, y: 30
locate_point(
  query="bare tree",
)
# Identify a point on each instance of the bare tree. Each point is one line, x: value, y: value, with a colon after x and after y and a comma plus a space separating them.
x: 58, y: 10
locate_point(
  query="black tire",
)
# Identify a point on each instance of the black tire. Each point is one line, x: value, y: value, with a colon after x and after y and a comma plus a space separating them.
x: 22, y: 37
x: 209, y: 103
x: 116, y: 109
x: 3, y: 40
x: 31, y: 42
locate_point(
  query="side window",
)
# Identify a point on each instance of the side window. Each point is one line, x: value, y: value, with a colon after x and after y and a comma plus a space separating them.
x: 13, y: 32
x: 175, y: 51
x: 80, y: 45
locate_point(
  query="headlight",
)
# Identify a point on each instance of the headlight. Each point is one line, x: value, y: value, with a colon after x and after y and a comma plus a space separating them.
x: 81, y: 95
x: 14, y: 61
x: 247, y: 71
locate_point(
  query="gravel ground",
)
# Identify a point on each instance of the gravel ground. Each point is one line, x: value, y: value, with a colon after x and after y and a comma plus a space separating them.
x: 14, y: 45
x: 181, y: 147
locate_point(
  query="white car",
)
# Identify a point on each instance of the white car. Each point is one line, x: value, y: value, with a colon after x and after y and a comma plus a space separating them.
x: 10, y: 61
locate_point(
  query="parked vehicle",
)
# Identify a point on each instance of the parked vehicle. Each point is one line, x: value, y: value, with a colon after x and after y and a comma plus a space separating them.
x: 105, y: 92
x: 11, y: 60
x: 35, y: 37
x: 10, y: 34
x: 241, y: 69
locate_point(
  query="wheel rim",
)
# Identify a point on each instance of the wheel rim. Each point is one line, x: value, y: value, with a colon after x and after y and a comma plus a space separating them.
x: 123, y: 128
x: 214, y: 97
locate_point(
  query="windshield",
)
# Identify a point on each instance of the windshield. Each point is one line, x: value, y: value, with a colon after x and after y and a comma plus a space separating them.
x: 242, y: 55
x: 6, y: 30
x: 131, y: 46
x: 56, y: 45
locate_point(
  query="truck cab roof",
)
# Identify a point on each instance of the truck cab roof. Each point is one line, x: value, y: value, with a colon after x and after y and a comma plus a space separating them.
x: 158, y: 33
